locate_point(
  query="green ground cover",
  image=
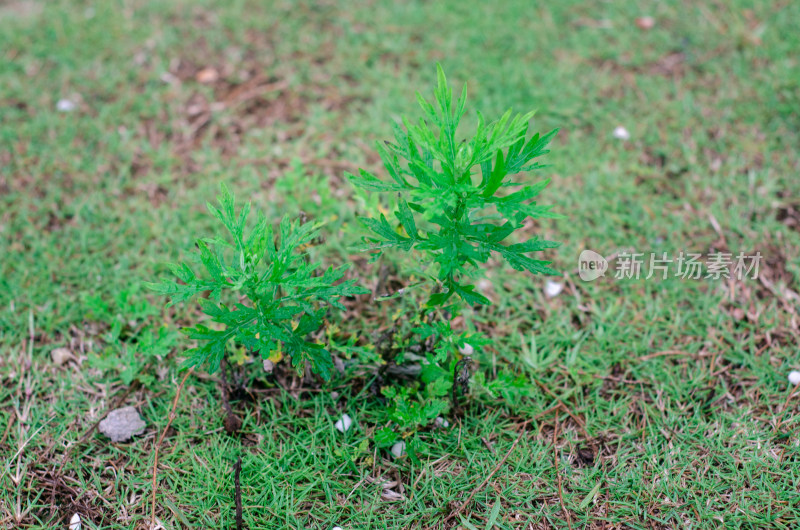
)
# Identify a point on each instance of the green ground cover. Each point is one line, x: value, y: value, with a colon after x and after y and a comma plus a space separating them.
x: 650, y: 404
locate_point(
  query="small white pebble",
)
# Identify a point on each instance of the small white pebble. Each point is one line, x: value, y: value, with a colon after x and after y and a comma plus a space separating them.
x: 344, y: 423
x: 441, y: 422
x: 268, y: 366
x: 207, y: 75
x: 75, y: 522
x: 553, y: 289
x: 65, y: 105
x: 645, y: 22
x: 466, y: 349
x: 621, y: 133
x: 398, y: 449
x: 794, y: 377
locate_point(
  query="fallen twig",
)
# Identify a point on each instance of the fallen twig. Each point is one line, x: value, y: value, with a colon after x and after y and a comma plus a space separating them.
x: 161, y: 439
x: 674, y: 352
x: 11, y: 421
x: 232, y: 422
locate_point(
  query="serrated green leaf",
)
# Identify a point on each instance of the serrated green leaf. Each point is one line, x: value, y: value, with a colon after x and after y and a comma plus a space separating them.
x: 496, y: 177
x: 384, y: 437
x: 370, y: 182
x: 470, y: 296
x: 406, y: 218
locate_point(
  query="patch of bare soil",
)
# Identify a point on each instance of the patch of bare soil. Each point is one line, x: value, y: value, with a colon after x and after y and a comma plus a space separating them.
x: 788, y: 212
x: 220, y: 97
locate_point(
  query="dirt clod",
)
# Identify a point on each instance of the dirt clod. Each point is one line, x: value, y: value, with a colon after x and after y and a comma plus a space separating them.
x: 232, y: 423
x: 61, y: 356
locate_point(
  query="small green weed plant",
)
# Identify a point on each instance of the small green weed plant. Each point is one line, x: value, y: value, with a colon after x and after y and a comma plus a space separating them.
x: 260, y: 291
x: 457, y: 203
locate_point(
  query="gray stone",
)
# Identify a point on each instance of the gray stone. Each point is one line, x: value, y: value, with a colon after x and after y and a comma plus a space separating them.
x: 122, y: 424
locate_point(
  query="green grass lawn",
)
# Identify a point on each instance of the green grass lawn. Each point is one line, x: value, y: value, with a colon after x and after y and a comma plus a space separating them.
x: 651, y: 403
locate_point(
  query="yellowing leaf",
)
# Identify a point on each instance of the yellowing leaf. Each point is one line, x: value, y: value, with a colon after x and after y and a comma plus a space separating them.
x: 276, y: 355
